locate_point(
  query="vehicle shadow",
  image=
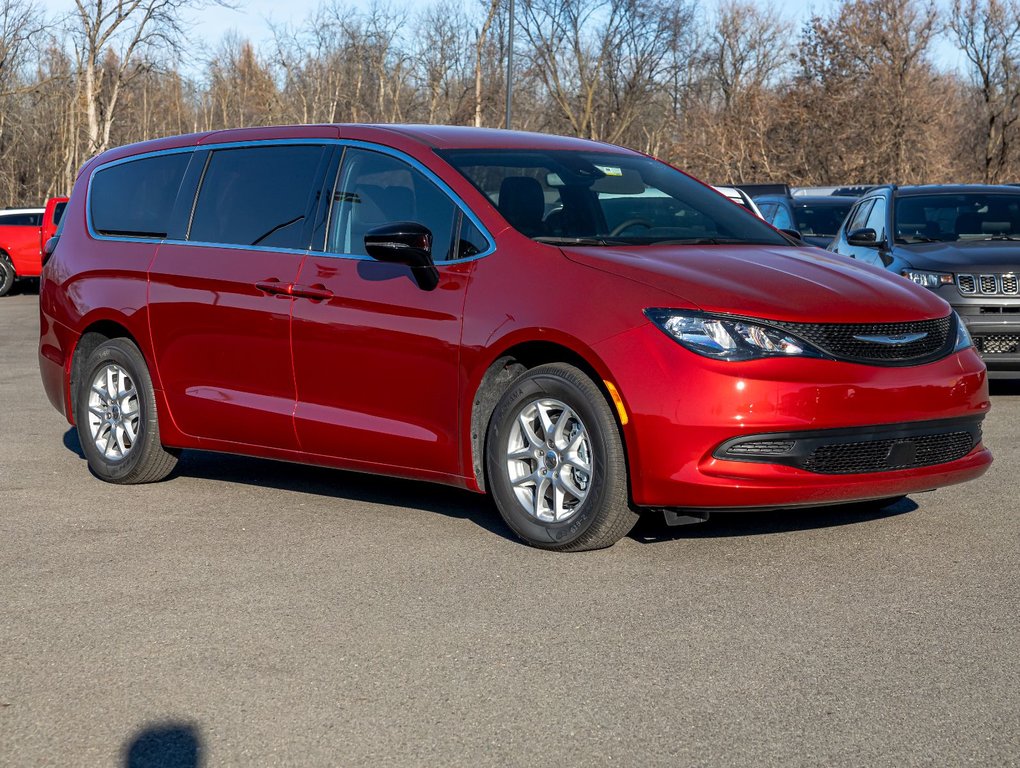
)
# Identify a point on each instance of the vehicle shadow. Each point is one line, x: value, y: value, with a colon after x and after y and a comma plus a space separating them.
x: 464, y: 505
x: 27, y: 286
x: 173, y: 745
x: 1005, y: 387
x: 652, y: 528
x: 334, y: 483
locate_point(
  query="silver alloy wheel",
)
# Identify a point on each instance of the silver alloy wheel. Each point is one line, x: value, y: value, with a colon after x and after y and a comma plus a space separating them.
x: 114, y: 412
x: 548, y: 458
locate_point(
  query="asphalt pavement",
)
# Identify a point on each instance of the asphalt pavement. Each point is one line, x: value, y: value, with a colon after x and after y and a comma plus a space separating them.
x: 246, y: 612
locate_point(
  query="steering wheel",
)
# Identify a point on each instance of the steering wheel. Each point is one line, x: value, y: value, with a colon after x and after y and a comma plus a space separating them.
x: 623, y: 226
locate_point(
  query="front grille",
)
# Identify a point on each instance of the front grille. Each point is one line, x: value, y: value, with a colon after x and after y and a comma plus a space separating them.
x: 885, y: 455
x: 997, y: 343
x: 842, y: 340
x: 1006, y: 284
x: 860, y: 450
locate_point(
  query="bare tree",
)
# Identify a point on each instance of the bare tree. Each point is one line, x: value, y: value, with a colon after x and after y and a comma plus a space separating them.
x: 113, y: 42
x: 988, y: 33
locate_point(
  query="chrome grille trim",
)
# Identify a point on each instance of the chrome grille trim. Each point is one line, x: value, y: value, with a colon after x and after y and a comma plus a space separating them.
x: 1004, y: 284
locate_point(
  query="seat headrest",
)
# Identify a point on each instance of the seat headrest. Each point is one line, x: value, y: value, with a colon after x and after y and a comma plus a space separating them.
x: 522, y: 203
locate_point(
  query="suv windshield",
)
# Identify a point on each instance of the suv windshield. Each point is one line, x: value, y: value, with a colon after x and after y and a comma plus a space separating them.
x: 977, y: 216
x: 602, y: 198
x: 821, y: 219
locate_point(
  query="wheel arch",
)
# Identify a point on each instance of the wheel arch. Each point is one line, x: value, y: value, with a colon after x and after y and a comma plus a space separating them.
x: 501, y: 372
x: 93, y: 334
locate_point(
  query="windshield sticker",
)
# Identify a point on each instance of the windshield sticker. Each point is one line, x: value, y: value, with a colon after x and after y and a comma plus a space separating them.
x: 610, y: 170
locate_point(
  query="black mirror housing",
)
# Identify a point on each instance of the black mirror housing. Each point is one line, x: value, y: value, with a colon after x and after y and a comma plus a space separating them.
x: 48, y: 248
x: 407, y: 243
x: 866, y: 238
x: 794, y: 233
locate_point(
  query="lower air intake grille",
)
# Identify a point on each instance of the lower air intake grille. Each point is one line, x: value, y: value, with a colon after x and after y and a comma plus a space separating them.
x: 879, y: 343
x: 885, y: 455
x: 998, y: 343
x: 859, y: 450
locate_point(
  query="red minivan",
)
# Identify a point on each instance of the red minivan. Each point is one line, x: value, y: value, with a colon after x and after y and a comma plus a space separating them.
x: 580, y: 330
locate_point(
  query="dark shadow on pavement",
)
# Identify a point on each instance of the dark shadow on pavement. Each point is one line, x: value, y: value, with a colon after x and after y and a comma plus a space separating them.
x: 338, y: 484
x: 28, y: 286
x: 1004, y: 387
x: 652, y: 527
x: 172, y: 745
x: 72, y: 443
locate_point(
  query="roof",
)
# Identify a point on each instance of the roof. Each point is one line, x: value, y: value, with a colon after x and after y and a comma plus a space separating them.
x: 469, y: 137
x: 957, y: 189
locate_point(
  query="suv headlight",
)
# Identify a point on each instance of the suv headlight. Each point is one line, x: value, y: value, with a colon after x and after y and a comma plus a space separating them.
x: 928, y: 279
x: 963, y: 339
x: 727, y: 338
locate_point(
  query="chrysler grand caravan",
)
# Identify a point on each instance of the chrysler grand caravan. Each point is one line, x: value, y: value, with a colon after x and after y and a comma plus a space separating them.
x: 575, y: 328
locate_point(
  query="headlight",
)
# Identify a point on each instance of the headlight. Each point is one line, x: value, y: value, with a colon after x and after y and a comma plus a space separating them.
x: 928, y: 279
x: 726, y: 338
x: 963, y: 339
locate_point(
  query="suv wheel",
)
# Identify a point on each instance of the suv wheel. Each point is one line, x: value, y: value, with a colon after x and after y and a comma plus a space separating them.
x: 555, y: 462
x: 115, y: 410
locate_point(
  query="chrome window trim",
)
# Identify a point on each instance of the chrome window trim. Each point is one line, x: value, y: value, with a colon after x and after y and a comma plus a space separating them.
x: 403, y: 156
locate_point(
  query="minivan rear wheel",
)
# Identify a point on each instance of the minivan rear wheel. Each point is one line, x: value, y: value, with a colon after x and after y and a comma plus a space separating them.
x: 555, y: 462
x: 115, y: 410
x: 7, y: 274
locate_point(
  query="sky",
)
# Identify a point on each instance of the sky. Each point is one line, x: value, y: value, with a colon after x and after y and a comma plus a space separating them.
x: 251, y: 18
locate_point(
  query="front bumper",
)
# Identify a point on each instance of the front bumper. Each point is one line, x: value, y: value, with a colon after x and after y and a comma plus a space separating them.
x: 683, y: 408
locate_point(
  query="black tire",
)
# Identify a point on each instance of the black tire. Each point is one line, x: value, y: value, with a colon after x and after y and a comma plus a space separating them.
x: 603, y: 516
x: 7, y: 274
x: 145, y: 460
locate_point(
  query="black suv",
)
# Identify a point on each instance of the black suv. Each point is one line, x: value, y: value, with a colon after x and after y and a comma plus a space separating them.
x: 815, y: 216
x: 962, y: 242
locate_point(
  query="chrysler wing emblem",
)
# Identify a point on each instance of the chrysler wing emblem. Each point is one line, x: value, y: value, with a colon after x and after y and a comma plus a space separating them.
x: 893, y: 339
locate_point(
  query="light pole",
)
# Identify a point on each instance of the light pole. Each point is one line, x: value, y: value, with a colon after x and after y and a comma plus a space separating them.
x: 510, y: 66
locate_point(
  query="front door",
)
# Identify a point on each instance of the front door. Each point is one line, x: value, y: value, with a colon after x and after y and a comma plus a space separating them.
x: 376, y: 357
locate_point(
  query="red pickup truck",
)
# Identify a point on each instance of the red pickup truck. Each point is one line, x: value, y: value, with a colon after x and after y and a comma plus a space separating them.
x: 23, y: 233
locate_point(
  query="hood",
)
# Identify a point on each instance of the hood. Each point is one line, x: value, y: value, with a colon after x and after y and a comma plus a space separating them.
x: 966, y: 256
x: 777, y: 283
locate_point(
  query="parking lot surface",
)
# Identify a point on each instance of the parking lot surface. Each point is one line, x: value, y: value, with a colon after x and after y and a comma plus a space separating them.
x: 247, y: 612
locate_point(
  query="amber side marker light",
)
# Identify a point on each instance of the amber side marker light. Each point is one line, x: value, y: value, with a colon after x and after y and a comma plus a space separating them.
x: 617, y: 400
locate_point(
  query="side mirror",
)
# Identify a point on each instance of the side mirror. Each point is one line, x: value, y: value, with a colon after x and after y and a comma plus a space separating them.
x: 48, y: 248
x: 407, y: 243
x: 794, y: 233
x: 866, y: 238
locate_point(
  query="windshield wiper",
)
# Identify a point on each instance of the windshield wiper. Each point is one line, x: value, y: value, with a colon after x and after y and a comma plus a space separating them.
x: 708, y: 241
x: 917, y: 239
x: 578, y: 241
x: 1002, y: 237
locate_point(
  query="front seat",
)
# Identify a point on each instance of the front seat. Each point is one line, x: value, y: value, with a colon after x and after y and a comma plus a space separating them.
x: 522, y: 203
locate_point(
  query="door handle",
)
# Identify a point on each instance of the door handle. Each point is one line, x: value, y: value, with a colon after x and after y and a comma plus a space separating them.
x: 274, y: 287
x: 317, y: 292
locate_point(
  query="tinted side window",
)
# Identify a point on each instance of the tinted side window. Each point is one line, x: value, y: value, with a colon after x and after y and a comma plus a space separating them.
x: 58, y: 212
x: 470, y: 241
x: 375, y: 189
x: 859, y: 215
x: 876, y: 219
x: 257, y: 196
x: 21, y: 220
x: 135, y: 199
x: 782, y: 219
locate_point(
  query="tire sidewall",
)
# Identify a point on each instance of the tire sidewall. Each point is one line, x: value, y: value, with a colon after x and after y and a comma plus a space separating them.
x: 7, y: 275
x: 526, y: 390
x: 124, y: 354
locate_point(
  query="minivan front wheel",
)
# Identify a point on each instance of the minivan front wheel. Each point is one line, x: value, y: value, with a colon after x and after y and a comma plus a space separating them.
x: 555, y: 462
x: 115, y: 412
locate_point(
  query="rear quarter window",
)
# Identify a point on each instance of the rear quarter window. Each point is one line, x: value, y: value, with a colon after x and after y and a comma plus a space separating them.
x: 136, y: 198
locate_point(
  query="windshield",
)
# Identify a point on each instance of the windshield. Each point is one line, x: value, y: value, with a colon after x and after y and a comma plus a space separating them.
x: 939, y: 218
x: 821, y: 219
x: 602, y: 198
